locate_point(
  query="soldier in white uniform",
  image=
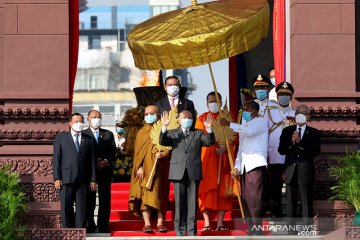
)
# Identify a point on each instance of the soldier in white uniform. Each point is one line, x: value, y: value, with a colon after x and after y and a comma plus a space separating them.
x: 261, y: 87
x: 251, y: 161
x: 278, y: 118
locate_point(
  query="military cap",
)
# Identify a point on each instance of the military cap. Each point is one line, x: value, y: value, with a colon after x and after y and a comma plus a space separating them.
x: 261, y: 80
x: 284, y: 87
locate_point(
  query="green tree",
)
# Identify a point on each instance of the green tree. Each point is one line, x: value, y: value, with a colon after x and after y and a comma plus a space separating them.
x: 347, y: 174
x: 12, y: 204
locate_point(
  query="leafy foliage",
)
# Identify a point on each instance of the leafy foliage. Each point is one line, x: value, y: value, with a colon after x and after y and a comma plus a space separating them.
x: 347, y: 174
x: 12, y: 204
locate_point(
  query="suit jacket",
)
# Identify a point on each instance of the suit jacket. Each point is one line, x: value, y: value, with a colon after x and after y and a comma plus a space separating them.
x: 253, y: 144
x: 186, y: 154
x: 70, y: 165
x: 300, y: 155
x: 184, y: 104
x: 106, y: 147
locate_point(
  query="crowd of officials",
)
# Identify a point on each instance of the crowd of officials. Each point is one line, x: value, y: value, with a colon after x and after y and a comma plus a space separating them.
x: 275, y: 145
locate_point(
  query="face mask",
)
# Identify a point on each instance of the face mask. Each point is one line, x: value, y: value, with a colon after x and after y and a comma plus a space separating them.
x: 151, y: 118
x: 246, y: 116
x: 78, y: 127
x: 186, y: 123
x: 273, y: 81
x: 213, y: 107
x: 300, y: 118
x: 284, y: 100
x: 120, y: 130
x: 95, y: 122
x: 172, y: 90
x: 261, y: 94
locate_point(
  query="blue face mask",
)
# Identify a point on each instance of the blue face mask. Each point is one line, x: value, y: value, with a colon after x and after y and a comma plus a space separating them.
x: 284, y: 100
x: 186, y: 123
x: 246, y: 116
x: 261, y: 94
x: 151, y: 118
x: 120, y: 130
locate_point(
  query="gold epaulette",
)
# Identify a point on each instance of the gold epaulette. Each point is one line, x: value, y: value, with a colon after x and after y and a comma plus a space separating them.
x: 271, y: 107
x: 274, y: 101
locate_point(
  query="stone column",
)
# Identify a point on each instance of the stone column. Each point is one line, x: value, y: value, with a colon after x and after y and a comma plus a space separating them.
x: 323, y: 75
x: 34, y: 100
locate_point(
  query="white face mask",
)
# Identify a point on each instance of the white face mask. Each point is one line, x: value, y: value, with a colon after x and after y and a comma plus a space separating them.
x: 172, y: 90
x: 273, y: 81
x: 95, y: 122
x: 300, y: 118
x: 77, y: 127
x: 213, y: 107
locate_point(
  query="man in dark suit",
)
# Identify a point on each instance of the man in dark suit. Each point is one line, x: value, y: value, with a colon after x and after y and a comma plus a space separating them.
x: 185, y: 167
x: 300, y: 143
x: 173, y: 100
x: 105, y: 153
x: 74, y: 170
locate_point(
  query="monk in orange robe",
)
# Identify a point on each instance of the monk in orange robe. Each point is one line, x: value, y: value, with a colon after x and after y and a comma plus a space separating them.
x: 152, y: 199
x: 214, y: 195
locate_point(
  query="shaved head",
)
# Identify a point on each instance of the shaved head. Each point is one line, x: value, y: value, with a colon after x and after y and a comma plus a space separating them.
x: 152, y: 109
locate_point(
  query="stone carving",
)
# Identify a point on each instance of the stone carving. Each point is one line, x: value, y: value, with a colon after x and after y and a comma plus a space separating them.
x: 34, y: 112
x: 335, y: 111
x: 28, y: 134
x: 38, y: 221
x: 46, y: 234
x: 41, y: 192
x: 30, y: 167
x: 352, y: 233
x: 340, y: 133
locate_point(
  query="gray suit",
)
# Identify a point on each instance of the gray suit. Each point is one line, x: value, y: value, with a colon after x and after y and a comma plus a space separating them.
x: 185, y: 173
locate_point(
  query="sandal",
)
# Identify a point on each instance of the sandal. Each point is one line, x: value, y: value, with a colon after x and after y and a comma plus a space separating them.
x: 222, y: 228
x: 206, y: 229
x: 162, y: 229
x: 147, y: 229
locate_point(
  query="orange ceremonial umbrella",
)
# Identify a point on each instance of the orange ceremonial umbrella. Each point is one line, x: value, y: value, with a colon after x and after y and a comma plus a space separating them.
x: 198, y: 35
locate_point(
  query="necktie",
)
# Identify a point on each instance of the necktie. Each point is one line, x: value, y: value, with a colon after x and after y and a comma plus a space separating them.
x: 172, y: 103
x: 300, y: 133
x: 186, y: 134
x: 96, y: 136
x: 77, y: 142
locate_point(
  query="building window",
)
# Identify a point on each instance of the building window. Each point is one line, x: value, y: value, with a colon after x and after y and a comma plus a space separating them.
x: 123, y: 108
x: 93, y: 22
x: 94, y: 42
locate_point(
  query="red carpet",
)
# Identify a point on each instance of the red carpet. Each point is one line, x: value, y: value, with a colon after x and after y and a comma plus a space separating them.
x: 124, y: 224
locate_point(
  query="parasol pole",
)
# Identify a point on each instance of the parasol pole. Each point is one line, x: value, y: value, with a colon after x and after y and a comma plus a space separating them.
x: 237, y: 186
x: 152, y: 173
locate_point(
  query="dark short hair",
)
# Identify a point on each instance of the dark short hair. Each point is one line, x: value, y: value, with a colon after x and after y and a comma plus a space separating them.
x: 254, y: 105
x: 76, y: 114
x: 94, y: 110
x: 213, y: 94
x: 171, y: 77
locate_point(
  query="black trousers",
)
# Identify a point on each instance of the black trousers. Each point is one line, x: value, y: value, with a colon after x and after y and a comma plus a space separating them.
x: 275, y: 176
x: 292, y: 191
x: 70, y: 194
x: 104, y: 192
x: 186, y: 205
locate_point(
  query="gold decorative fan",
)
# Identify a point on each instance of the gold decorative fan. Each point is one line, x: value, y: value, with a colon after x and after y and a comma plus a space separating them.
x: 156, y: 129
x: 219, y: 136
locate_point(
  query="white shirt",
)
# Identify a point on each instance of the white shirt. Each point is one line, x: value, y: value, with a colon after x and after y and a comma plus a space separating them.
x: 273, y: 94
x: 176, y: 100
x: 73, y: 136
x: 277, y: 115
x: 253, y: 144
x: 302, y: 130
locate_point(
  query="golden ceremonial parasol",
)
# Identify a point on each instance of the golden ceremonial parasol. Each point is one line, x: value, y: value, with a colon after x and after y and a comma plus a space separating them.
x: 198, y: 35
